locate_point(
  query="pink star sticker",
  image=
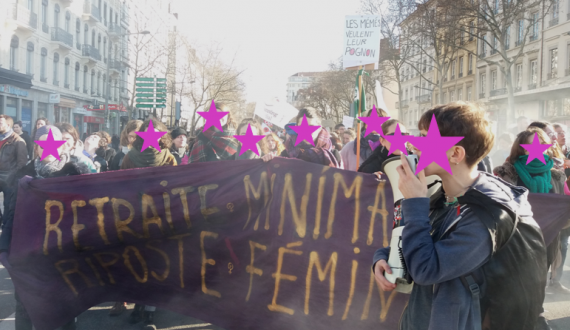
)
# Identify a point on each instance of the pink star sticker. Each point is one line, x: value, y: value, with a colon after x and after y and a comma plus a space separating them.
x: 434, y: 147
x: 304, y: 132
x: 50, y: 146
x: 536, y: 150
x: 398, y: 141
x: 150, y: 137
x: 213, y: 117
x: 249, y: 141
x: 373, y: 122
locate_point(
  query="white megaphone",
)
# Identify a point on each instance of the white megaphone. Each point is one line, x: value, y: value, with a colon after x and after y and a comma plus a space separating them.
x: 396, y: 259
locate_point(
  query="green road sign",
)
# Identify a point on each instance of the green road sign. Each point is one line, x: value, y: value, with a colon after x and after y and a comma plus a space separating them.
x: 149, y: 95
x: 161, y: 90
x: 160, y: 85
x: 160, y: 79
x: 146, y: 101
x: 160, y: 100
x: 144, y: 79
x: 160, y: 95
x: 160, y: 106
x: 145, y: 84
x: 145, y: 90
x: 145, y: 106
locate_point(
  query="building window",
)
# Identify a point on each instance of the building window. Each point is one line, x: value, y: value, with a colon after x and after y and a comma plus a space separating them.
x: 461, y: 66
x: 508, y: 37
x: 31, y: 5
x: 483, y: 84
x: 553, y: 63
x: 468, y: 92
x: 520, y: 31
x: 76, y: 77
x: 493, y: 80
x: 460, y: 94
x: 444, y: 98
x: 453, y: 65
x: 78, y: 32
x: 93, y: 38
x: 104, y: 92
x: 105, y: 14
x: 555, y: 9
x: 55, y: 69
x: 518, y: 76
x: 470, y: 63
x: 30, y: 58
x: 471, y: 30
x: 484, y: 45
x: 86, y: 35
x: 67, y: 21
x: 44, y: 13
x: 56, y: 16
x: 533, y: 72
x: 43, y: 64
x: 99, y: 42
x: 568, y: 58
x: 66, y: 73
x: 451, y: 96
x: 99, y: 84
x: 535, y: 25
x: 85, y: 79
x: 14, y: 44
x: 92, y: 82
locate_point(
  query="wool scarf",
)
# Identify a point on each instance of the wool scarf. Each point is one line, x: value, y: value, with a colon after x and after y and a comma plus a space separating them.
x: 6, y: 134
x: 535, y: 175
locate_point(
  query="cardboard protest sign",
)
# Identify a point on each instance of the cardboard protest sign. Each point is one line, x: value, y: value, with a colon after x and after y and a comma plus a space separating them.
x: 275, y: 111
x: 348, y: 121
x: 361, y: 41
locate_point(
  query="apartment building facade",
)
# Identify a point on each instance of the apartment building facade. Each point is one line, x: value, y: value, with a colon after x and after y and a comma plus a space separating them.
x: 541, y: 77
x: 53, y: 63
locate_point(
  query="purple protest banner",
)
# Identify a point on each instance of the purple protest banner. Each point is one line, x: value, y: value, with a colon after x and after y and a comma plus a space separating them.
x: 243, y: 245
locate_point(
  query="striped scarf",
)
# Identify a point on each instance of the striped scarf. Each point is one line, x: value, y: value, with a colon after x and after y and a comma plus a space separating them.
x: 213, y: 145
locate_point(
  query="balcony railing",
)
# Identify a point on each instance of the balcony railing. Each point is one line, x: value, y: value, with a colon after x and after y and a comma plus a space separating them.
x: 24, y: 17
x: 481, y: 95
x: 533, y: 38
x: 91, y: 11
x: 405, y: 104
x: 518, y: 89
x: 426, y: 98
x: 43, y: 79
x: 91, y: 52
x: 460, y: 75
x: 66, y: 85
x: 531, y: 86
x: 483, y: 54
x: 115, y: 65
x: 84, y: 90
x: 77, y: 88
x: 452, y: 77
x: 115, y: 29
x: 518, y: 43
x: 56, y: 82
x: 470, y: 72
x: 494, y: 51
x: 497, y: 92
x: 553, y: 22
x: 45, y: 28
x: 60, y: 35
x: 551, y: 75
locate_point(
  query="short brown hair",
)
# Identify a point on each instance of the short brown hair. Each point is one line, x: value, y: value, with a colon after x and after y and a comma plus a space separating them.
x: 351, y: 133
x: 132, y: 125
x: 522, y: 138
x: 9, y: 120
x: 466, y: 120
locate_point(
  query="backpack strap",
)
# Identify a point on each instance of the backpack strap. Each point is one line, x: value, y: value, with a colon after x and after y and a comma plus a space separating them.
x: 473, y: 287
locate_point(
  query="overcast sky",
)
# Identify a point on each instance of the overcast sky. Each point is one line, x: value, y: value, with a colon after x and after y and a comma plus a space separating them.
x: 272, y: 39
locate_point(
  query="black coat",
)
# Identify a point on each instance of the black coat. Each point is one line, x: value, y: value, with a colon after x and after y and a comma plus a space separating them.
x: 374, y: 163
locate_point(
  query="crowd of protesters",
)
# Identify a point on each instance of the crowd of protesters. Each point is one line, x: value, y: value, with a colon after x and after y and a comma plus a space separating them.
x: 443, y: 251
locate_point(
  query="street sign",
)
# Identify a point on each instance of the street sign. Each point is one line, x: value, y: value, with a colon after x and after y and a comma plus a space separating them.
x: 144, y: 95
x: 146, y: 90
x: 144, y: 79
x: 145, y: 84
x: 145, y: 106
x: 151, y: 92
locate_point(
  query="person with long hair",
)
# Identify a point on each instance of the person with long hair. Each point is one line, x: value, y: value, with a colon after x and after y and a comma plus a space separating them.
x: 42, y: 121
x: 336, y: 141
x: 274, y: 144
x: 537, y: 178
x: 213, y: 144
x: 75, y: 145
x: 150, y: 157
x: 349, y: 150
x: 461, y: 239
x: 256, y: 130
x: 128, y: 136
x: 320, y: 152
x: 558, y: 156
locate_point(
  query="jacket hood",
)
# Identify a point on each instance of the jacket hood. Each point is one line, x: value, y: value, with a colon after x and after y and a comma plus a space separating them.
x: 513, y: 197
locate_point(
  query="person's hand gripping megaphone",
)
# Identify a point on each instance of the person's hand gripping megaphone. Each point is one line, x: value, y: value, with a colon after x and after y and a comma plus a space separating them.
x: 411, y: 186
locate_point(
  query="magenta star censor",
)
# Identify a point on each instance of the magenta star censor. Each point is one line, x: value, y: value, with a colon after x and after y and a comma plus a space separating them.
x: 50, y: 146
x: 150, y: 137
x: 373, y: 122
x: 398, y: 141
x: 434, y: 147
x: 536, y: 150
x: 249, y: 141
x: 304, y: 132
x: 213, y: 117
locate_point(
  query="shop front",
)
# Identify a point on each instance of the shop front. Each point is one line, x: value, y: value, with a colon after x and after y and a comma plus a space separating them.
x: 114, y: 113
x: 78, y: 115
x: 94, y: 124
x: 62, y: 110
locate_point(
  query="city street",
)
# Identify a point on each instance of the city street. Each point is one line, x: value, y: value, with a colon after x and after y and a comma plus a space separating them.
x: 557, y: 309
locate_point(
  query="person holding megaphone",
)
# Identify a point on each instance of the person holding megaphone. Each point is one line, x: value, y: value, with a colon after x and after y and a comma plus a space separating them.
x: 473, y: 250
